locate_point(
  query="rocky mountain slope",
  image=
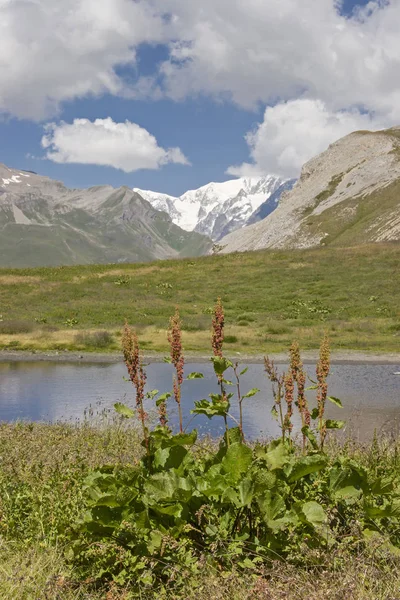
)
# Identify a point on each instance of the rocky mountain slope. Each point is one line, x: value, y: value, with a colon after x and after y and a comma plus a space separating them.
x: 349, y: 194
x: 217, y: 209
x: 44, y: 223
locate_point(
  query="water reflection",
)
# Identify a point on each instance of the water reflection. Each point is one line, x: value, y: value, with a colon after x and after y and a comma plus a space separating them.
x: 52, y: 391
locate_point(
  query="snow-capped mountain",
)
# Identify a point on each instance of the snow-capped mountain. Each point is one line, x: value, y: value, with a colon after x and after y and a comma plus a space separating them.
x: 217, y: 209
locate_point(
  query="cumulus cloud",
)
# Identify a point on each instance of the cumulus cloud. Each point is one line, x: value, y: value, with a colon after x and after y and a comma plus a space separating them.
x: 293, y: 132
x: 56, y: 51
x: 251, y: 52
x: 124, y: 146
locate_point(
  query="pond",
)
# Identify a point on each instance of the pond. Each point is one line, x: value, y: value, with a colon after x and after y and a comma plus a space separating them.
x: 48, y: 391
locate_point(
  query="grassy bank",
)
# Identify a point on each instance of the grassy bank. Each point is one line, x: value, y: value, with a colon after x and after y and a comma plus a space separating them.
x: 42, y: 495
x: 270, y: 298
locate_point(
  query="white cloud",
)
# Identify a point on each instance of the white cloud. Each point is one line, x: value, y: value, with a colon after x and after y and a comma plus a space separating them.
x: 293, y: 132
x: 52, y: 51
x: 124, y: 146
x: 251, y: 52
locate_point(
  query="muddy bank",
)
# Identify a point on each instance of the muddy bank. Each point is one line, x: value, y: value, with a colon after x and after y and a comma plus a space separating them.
x: 347, y: 357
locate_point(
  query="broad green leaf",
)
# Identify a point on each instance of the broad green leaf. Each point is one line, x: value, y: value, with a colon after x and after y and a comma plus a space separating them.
x: 346, y: 475
x: 278, y: 457
x: 348, y: 492
x: 314, y: 513
x: 195, y: 376
x: 234, y: 435
x: 246, y: 490
x: 335, y: 401
x: 391, y: 510
x: 172, y: 510
x: 161, y: 457
x: 332, y: 424
x: 244, y: 371
x: 271, y: 507
x: 221, y: 364
x: 382, y: 486
x: 251, y: 393
x: 217, y: 407
x: 183, y: 439
x: 155, y: 541
x: 107, y: 500
x: 310, y: 436
x: 167, y: 487
x: 152, y: 394
x: 307, y: 465
x: 237, y: 460
x: 124, y: 410
x: 314, y: 413
x: 162, y: 398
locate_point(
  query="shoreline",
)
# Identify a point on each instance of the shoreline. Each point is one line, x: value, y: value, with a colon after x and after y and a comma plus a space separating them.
x: 309, y: 357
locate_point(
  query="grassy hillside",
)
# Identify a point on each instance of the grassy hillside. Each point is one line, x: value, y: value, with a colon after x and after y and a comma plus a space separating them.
x: 270, y: 297
x: 346, y: 224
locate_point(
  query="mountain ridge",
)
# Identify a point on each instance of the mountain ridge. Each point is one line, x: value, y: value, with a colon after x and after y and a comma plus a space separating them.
x: 347, y: 195
x: 44, y: 223
x: 216, y: 209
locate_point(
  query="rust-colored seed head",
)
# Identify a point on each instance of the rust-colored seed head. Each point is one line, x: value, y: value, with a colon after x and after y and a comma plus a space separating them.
x: 175, y: 341
x: 218, y: 328
x: 271, y: 370
x: 289, y: 397
x: 323, y: 367
x: 137, y: 375
x: 162, y: 411
x: 295, y: 360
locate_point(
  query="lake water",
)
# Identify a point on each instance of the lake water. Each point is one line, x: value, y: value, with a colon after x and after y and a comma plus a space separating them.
x: 62, y: 391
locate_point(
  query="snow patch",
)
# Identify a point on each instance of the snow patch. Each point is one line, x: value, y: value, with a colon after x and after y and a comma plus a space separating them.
x: 13, y: 179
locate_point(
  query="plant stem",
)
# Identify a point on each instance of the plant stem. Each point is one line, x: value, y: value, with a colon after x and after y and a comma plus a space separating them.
x: 240, y: 400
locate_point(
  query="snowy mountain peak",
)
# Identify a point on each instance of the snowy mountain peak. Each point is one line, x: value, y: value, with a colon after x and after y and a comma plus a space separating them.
x: 216, y: 209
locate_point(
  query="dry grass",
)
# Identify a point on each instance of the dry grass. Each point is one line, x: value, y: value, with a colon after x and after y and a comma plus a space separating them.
x: 42, y: 574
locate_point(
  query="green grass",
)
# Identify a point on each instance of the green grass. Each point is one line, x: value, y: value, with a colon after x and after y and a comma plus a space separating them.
x: 270, y: 297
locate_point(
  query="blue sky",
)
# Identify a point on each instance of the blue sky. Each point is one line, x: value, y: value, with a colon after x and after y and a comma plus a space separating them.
x: 204, y: 106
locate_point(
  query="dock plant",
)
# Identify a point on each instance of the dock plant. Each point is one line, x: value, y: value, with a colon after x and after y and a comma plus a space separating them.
x: 189, y: 505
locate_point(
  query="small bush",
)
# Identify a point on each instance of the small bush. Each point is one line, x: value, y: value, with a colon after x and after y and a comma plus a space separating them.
x: 97, y: 339
x: 15, y: 326
x: 230, y: 339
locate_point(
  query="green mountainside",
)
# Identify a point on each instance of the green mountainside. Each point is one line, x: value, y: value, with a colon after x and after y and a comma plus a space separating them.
x: 42, y: 223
